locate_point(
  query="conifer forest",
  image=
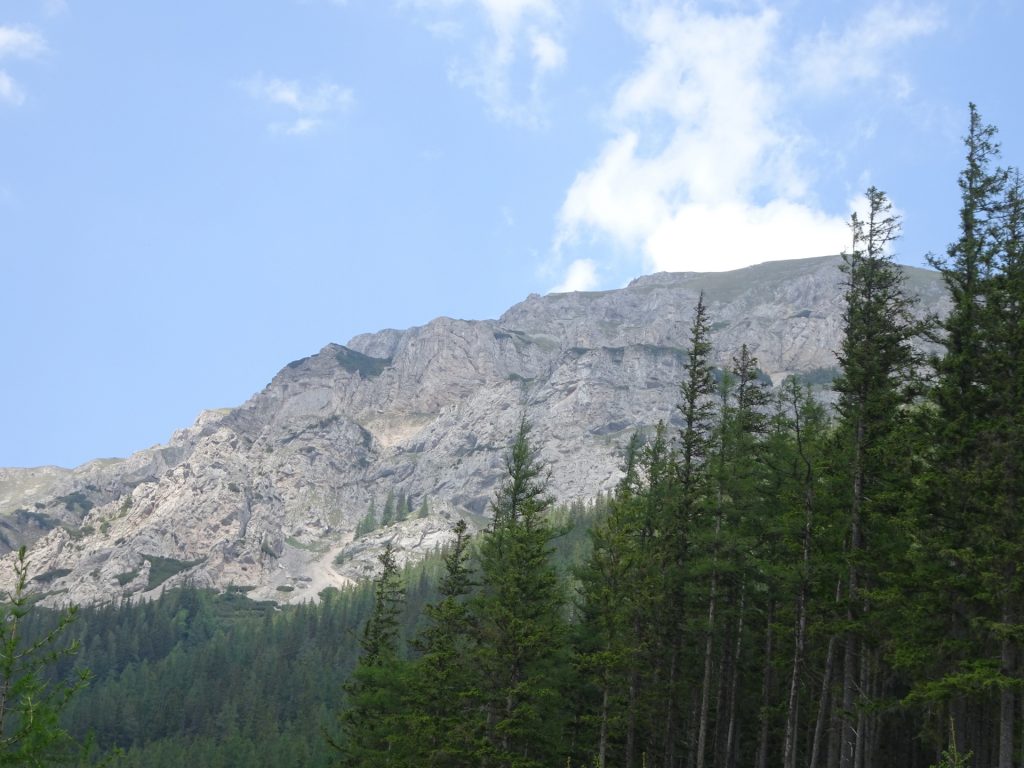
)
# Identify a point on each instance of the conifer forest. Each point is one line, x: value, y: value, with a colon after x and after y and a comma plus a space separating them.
x: 779, y: 579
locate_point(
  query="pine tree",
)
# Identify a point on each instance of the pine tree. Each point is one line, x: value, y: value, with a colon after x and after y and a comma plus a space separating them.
x: 389, y: 515
x: 613, y: 585
x: 368, y: 523
x: 796, y: 563
x: 696, y: 407
x: 30, y: 702
x: 970, y: 509
x: 878, y: 365
x: 442, y: 690
x: 520, y: 617
x: 375, y: 694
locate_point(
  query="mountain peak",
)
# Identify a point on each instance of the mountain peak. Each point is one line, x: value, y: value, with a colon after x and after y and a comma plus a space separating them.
x: 267, y: 497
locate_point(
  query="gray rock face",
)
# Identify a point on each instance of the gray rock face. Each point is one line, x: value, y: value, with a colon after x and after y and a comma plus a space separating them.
x: 266, y: 497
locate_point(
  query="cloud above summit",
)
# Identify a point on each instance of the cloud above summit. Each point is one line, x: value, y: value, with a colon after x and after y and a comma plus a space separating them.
x: 703, y: 168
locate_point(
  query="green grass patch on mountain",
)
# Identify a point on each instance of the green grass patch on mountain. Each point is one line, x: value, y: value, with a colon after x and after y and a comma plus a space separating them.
x: 163, y: 568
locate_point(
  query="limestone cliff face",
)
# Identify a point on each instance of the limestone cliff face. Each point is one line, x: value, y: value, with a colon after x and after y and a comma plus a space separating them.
x: 266, y: 497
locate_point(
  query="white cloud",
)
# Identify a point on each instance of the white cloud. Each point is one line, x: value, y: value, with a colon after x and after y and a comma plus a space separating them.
x: 548, y: 55
x: 21, y: 43
x: 861, y: 52
x: 722, y: 236
x: 518, y: 29
x: 9, y: 90
x: 702, y: 170
x: 580, y: 276
x: 310, y: 107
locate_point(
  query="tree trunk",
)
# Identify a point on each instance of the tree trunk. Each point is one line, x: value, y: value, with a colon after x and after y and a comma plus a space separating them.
x: 799, y: 638
x: 1006, y: 714
x: 766, y: 688
x: 631, y: 714
x: 823, y: 704
x: 835, y: 732
x: 848, y: 740
x: 864, y: 686
x: 602, y: 747
x: 730, y: 737
x: 670, y: 711
x: 824, y: 709
x: 705, y: 690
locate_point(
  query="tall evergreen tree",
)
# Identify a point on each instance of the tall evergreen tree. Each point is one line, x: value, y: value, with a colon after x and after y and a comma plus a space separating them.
x: 970, y: 512
x: 686, y: 510
x: 375, y: 694
x: 696, y: 407
x: 616, y: 586
x: 878, y: 365
x: 723, y: 540
x: 522, y: 651
x: 442, y: 689
x: 30, y: 701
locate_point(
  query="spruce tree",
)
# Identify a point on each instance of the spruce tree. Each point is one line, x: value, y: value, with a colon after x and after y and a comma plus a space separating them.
x: 376, y: 704
x: 389, y: 515
x: 442, y: 689
x: 686, y: 513
x: 696, y: 408
x: 31, y: 702
x: 614, y: 581
x: 878, y: 365
x: 970, y: 510
x: 522, y: 651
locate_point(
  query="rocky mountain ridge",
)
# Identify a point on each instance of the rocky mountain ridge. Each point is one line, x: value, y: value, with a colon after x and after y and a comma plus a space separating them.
x: 265, y: 498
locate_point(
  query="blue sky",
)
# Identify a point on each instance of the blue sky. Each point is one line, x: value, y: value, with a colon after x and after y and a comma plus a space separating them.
x: 194, y: 194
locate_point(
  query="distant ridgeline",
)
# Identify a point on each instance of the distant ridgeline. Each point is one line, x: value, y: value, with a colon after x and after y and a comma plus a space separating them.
x: 288, y: 493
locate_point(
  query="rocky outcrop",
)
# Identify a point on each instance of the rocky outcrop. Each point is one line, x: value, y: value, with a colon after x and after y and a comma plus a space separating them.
x: 266, y: 497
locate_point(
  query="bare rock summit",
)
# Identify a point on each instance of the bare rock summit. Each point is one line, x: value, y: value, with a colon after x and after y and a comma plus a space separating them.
x: 266, y: 498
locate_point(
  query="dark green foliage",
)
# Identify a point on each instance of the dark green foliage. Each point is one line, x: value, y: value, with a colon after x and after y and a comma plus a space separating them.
x: 520, y: 621
x: 163, y: 568
x: 879, y: 365
x: 251, y: 684
x: 696, y: 407
x: 439, y: 723
x: 403, y: 507
x: 969, y: 505
x: 820, y: 377
x: 356, y: 362
x: 32, y: 696
x: 375, y: 691
x: 388, y: 516
x: 48, y: 576
x: 33, y: 517
x: 368, y: 523
x: 76, y: 502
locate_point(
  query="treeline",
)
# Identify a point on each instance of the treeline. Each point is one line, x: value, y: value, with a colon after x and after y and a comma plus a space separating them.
x: 206, y: 679
x: 772, y: 584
